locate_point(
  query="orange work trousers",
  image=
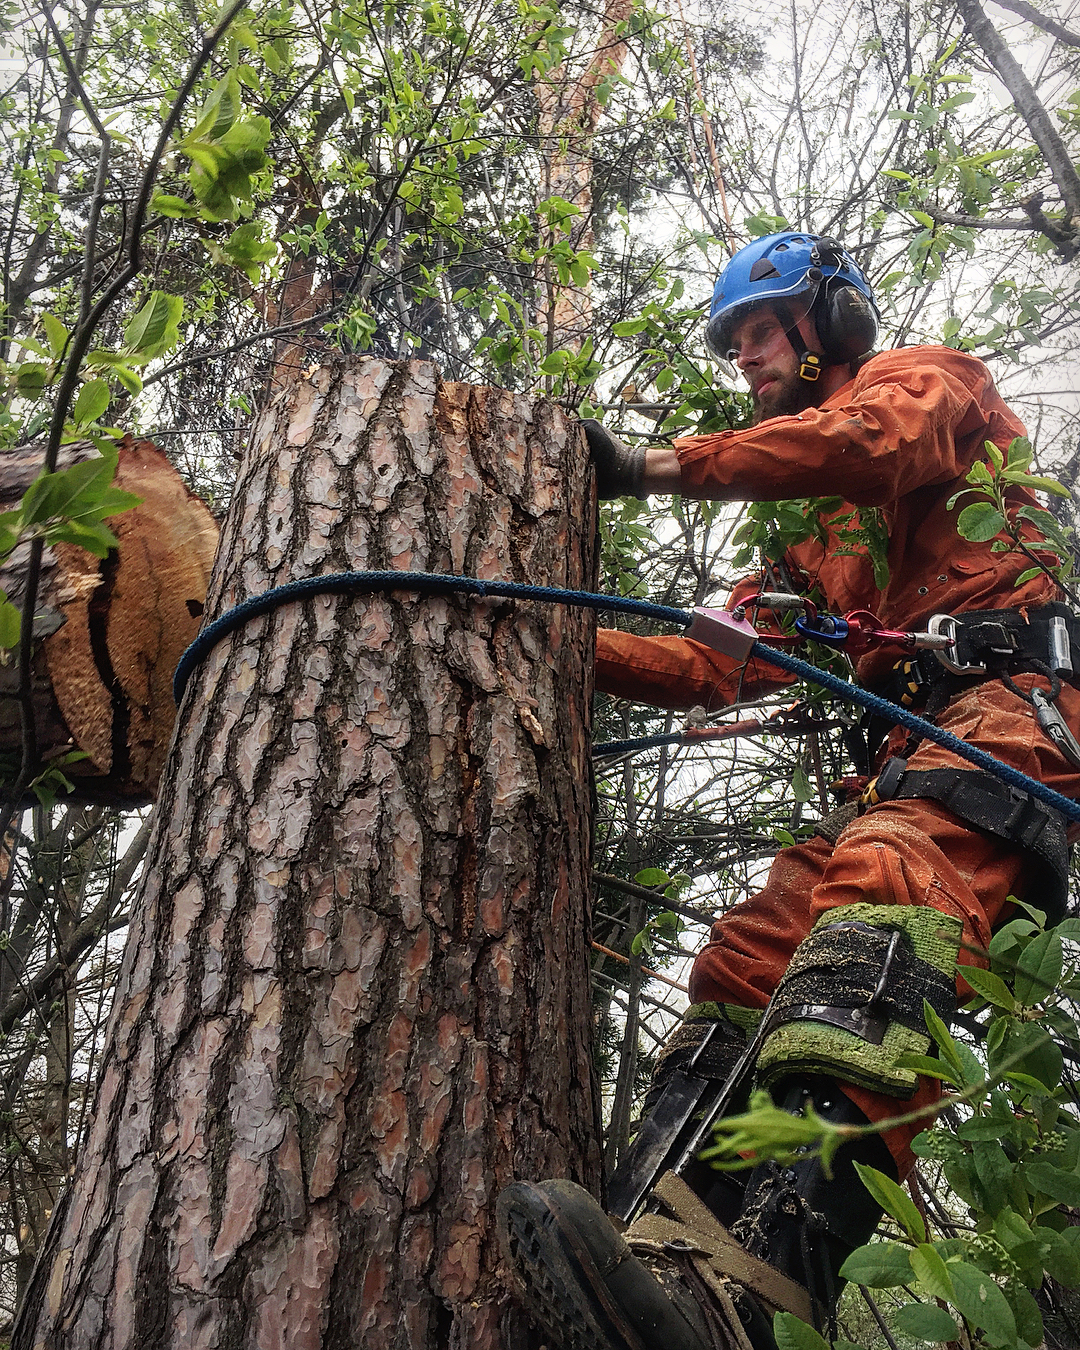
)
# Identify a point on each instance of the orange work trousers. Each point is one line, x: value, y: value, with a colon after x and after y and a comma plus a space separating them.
x: 897, y: 853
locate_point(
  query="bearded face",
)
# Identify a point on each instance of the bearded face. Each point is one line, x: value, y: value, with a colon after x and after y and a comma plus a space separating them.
x: 761, y: 350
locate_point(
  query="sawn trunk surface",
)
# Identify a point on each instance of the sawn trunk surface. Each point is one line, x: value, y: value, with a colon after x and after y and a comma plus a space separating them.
x: 355, y: 1000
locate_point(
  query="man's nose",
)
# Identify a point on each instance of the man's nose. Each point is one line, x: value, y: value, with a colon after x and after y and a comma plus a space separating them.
x: 749, y: 355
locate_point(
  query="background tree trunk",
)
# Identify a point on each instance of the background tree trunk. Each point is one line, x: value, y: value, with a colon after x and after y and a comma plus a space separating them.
x: 355, y: 998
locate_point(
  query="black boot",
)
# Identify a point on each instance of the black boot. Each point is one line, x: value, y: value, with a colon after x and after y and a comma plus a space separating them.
x: 678, y: 1280
x: 799, y: 1220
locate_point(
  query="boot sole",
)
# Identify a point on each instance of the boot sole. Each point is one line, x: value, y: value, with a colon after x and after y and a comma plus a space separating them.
x: 561, y: 1285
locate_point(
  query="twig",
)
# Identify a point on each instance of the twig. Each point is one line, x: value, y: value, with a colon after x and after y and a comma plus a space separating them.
x: 656, y: 897
x: 1041, y: 20
x: 650, y: 974
x: 1039, y: 123
x: 878, y: 1317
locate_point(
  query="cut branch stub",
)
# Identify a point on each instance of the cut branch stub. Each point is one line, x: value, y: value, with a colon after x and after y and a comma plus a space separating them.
x: 355, y: 1001
x: 111, y: 630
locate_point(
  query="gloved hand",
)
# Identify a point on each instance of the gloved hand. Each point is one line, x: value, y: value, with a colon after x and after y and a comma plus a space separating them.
x: 620, y: 469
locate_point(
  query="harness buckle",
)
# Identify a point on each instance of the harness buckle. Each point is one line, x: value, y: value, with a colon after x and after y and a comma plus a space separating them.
x: 945, y: 626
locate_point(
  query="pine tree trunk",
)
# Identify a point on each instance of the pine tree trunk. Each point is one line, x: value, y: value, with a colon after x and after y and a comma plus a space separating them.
x: 355, y: 998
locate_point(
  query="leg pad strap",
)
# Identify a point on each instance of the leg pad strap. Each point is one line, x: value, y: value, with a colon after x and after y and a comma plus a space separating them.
x: 851, y: 1001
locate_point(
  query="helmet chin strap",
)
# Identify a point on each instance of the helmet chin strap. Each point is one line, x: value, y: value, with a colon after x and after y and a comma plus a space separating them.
x: 811, y: 363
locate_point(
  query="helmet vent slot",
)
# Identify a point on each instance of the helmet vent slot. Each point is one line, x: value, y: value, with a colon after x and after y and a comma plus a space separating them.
x: 761, y: 269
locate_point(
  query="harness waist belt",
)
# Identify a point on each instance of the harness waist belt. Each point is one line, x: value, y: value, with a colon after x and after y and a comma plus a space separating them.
x: 985, y: 802
x: 990, y: 640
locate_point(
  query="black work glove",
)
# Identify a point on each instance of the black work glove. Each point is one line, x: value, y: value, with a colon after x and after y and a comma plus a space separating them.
x: 620, y: 469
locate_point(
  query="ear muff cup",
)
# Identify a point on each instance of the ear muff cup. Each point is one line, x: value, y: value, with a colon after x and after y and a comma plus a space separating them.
x: 846, y: 322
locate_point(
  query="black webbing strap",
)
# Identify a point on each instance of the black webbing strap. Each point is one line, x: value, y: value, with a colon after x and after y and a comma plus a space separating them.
x: 1003, y: 639
x: 993, y: 807
x: 853, y: 966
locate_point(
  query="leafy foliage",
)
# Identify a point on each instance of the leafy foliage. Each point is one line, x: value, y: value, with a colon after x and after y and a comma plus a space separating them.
x: 1006, y: 1143
x: 1006, y: 505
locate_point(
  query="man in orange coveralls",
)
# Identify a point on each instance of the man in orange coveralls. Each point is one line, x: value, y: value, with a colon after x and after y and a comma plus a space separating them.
x: 860, y: 924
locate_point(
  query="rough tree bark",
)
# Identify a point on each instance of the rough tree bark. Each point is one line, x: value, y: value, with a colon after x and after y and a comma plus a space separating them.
x: 355, y: 998
x: 112, y: 629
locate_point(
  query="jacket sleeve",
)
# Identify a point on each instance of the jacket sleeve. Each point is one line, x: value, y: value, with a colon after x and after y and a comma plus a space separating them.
x: 894, y: 429
x: 673, y: 672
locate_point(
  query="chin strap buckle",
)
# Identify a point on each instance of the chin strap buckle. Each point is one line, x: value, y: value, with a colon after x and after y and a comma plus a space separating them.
x: 809, y: 366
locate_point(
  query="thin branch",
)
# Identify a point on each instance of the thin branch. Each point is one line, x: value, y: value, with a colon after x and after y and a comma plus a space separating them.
x: 1041, y: 20
x: 98, y: 199
x: 1038, y: 120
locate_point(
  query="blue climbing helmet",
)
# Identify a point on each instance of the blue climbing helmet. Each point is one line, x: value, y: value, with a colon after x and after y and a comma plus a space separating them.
x: 782, y: 267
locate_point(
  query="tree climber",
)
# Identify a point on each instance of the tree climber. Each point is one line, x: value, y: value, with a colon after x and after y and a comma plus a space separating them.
x: 856, y: 926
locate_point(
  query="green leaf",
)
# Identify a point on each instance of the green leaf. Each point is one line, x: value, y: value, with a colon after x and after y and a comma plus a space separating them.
x: 30, y: 378
x: 1027, y: 1049
x: 945, y: 1043
x: 800, y: 785
x: 131, y: 381
x: 10, y: 527
x: 1055, y: 1182
x: 994, y: 1171
x: 10, y: 621
x: 931, y: 1271
x: 924, y: 1064
x: 982, y: 1302
x: 894, y: 1200
x: 1061, y: 1259
x: 55, y: 333
x: 91, y: 403
x: 629, y: 327
x: 980, y: 522
x: 878, y: 1265
x: 926, y: 1322
x: 1029, y: 1323
x: 154, y: 329
x: 1030, y: 480
x: 220, y: 110
x: 992, y: 987
x: 1038, y: 969
x: 96, y: 538
x: 652, y: 876
x: 792, y: 1333
x: 554, y: 363
x: 1019, y: 453
x: 175, y: 208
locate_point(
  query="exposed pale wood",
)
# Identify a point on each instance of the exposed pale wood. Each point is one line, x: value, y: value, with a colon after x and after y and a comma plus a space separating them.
x: 112, y: 629
x: 355, y: 1000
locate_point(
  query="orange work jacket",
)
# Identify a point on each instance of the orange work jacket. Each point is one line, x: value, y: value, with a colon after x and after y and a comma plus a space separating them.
x: 901, y: 436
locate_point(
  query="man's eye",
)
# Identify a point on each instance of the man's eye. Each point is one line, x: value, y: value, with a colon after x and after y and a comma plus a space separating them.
x: 733, y: 354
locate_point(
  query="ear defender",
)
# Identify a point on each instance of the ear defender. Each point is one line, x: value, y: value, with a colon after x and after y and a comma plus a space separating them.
x: 846, y: 322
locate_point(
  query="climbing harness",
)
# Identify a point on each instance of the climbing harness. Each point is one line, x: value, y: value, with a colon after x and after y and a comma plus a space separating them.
x: 720, y: 629
x: 979, y: 799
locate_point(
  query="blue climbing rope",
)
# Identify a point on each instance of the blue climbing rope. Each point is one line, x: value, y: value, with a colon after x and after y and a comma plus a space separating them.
x: 430, y: 583
x: 603, y: 749
x: 421, y: 583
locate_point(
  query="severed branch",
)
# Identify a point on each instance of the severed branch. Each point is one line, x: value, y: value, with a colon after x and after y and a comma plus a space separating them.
x: 90, y: 315
x: 1064, y: 235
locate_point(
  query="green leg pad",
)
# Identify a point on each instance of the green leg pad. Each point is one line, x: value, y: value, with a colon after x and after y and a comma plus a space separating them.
x: 835, y: 967
x: 817, y: 1048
